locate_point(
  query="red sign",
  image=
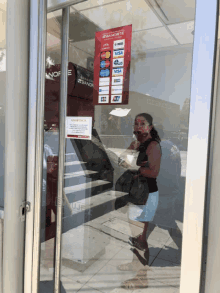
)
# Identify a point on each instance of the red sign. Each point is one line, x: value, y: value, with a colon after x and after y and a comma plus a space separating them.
x: 112, y: 66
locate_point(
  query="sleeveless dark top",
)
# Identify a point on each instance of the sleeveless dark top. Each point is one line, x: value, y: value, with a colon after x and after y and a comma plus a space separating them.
x: 152, y: 182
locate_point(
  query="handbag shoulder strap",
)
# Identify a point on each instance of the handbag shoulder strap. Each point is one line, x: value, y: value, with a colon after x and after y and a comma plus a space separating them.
x: 142, y: 151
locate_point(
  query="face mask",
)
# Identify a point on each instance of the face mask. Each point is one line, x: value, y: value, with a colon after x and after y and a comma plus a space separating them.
x: 142, y: 132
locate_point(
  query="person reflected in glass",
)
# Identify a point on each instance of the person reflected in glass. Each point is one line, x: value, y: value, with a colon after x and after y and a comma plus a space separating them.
x: 149, y: 167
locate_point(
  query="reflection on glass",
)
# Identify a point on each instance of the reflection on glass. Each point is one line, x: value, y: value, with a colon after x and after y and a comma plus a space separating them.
x: 108, y: 241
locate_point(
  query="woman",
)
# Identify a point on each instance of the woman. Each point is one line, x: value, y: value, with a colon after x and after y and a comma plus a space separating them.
x: 148, y: 137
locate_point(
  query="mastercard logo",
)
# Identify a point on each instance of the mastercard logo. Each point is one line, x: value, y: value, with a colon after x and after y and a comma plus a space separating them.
x: 104, y: 63
x: 105, y: 55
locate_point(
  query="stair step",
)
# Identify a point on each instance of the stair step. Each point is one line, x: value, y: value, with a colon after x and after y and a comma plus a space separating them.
x: 74, y: 166
x: 70, y: 157
x: 87, y: 189
x: 80, y: 177
x: 95, y: 200
x: 74, y: 163
x: 79, y: 173
x: 84, y: 186
x: 89, y: 209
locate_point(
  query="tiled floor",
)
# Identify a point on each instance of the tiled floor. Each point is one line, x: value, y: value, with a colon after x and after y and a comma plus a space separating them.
x: 102, y: 274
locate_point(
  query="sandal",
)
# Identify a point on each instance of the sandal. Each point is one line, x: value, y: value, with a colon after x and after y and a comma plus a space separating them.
x: 143, y: 260
x: 127, y: 267
x: 136, y: 242
x: 138, y: 282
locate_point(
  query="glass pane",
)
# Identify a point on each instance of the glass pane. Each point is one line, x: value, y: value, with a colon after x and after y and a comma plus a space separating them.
x: 2, y: 121
x: 97, y: 251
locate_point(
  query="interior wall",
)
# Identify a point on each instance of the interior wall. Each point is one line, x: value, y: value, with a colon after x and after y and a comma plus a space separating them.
x: 163, y: 74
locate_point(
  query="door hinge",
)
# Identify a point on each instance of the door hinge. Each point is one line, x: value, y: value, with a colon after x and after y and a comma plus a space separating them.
x: 24, y: 208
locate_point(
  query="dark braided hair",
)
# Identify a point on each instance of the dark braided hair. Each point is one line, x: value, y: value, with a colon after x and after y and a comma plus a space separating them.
x: 153, y: 131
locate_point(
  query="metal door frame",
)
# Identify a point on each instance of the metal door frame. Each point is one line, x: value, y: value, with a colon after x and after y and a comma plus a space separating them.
x: 201, y: 94
x: 35, y: 137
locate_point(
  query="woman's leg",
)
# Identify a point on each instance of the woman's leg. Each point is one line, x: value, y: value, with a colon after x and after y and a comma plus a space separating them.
x: 143, y: 237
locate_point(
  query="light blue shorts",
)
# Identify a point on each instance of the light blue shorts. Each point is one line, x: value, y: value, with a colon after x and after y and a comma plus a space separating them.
x: 144, y: 213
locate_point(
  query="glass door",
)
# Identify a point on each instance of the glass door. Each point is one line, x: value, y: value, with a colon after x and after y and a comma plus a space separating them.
x: 108, y: 246
x: 109, y: 243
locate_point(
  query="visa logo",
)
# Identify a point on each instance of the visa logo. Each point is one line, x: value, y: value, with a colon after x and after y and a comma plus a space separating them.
x: 118, y: 53
x: 117, y: 71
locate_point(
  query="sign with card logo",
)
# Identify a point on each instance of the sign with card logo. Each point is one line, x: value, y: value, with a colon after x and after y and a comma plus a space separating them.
x: 112, y: 66
x: 119, y: 44
x: 118, y: 53
x: 104, y: 81
x: 117, y: 89
x: 117, y: 80
x: 117, y: 72
x: 104, y: 99
x: 104, y: 90
x: 118, y: 62
x: 116, y: 99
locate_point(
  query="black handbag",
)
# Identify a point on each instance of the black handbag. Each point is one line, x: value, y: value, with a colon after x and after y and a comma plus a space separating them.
x: 123, y: 184
x: 125, y: 181
x: 137, y: 189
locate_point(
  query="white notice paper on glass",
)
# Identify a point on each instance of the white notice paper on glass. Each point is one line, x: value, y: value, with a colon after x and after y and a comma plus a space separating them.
x: 79, y: 127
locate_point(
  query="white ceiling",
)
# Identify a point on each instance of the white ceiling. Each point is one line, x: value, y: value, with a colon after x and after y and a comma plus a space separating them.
x: 91, y: 3
x: 151, y: 29
x: 151, y: 39
x: 135, y: 12
x: 183, y: 32
x: 173, y: 11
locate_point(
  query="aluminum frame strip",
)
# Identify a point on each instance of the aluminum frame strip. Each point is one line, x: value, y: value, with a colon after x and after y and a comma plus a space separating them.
x: 198, y: 156
x: 42, y: 29
x: 62, y: 142
x: 31, y: 147
x: 207, y: 258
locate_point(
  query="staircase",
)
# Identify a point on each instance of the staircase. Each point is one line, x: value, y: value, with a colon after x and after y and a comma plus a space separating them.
x: 88, y: 194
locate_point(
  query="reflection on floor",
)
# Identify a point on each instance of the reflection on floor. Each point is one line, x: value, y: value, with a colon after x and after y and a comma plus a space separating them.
x: 101, y: 274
